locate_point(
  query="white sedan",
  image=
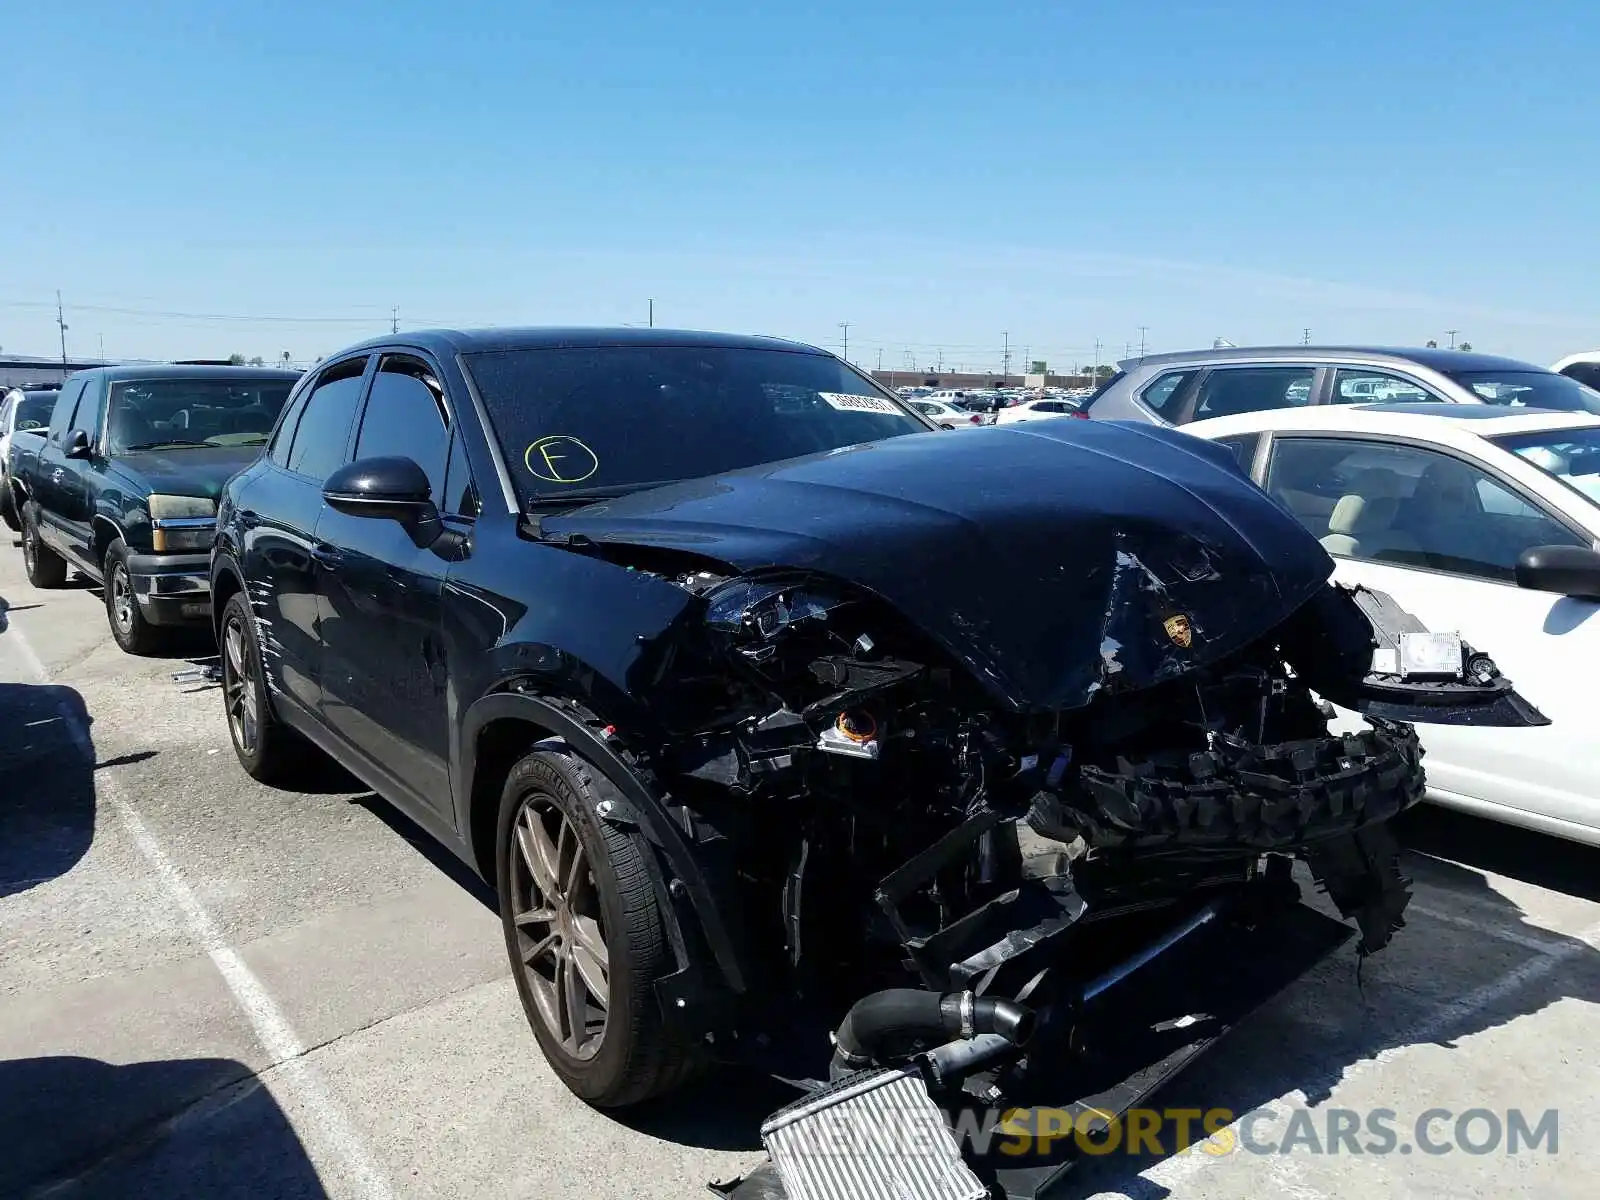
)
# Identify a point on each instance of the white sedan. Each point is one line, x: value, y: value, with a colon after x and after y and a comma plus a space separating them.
x: 1479, y: 519
x: 948, y: 416
x: 1036, y: 410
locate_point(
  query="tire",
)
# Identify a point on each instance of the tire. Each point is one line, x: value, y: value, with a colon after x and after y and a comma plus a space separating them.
x: 45, y: 568
x: 128, y: 625
x: 602, y: 903
x: 268, y: 750
x: 8, y: 505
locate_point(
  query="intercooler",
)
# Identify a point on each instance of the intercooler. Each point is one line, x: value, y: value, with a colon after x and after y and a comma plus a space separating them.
x: 872, y: 1134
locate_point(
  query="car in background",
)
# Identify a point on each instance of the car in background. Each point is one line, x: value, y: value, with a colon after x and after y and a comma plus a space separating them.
x: 22, y: 410
x: 1036, y: 410
x: 1479, y: 519
x: 1584, y: 367
x: 1175, y: 389
x: 123, y: 485
x: 948, y: 416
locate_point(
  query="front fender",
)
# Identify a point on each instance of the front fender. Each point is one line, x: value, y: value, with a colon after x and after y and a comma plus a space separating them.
x: 646, y: 811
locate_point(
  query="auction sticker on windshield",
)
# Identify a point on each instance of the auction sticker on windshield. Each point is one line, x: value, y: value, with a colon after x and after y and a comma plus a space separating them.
x: 848, y: 402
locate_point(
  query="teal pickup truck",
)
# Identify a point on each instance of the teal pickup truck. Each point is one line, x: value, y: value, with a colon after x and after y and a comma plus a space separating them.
x: 122, y: 485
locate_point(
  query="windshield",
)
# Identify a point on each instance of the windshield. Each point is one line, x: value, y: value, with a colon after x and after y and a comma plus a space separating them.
x: 147, y: 414
x: 1529, y: 389
x: 33, y: 410
x: 624, y: 416
x: 1570, y: 455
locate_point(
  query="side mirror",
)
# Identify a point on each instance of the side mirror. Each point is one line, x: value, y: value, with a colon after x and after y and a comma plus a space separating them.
x: 394, y: 489
x: 1565, y: 570
x: 77, y: 444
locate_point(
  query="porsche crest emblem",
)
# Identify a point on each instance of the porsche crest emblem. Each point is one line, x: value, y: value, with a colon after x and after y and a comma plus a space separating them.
x: 1179, y: 630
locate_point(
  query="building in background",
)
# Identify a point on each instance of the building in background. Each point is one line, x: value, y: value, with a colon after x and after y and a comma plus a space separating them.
x: 16, y: 370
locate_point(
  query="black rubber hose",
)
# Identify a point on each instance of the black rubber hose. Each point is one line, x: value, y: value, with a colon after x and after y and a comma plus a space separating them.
x: 907, y: 1012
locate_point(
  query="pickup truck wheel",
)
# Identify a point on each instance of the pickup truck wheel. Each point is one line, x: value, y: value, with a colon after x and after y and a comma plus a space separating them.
x: 128, y: 625
x: 268, y: 750
x: 586, y: 938
x: 46, y: 568
x: 8, y: 505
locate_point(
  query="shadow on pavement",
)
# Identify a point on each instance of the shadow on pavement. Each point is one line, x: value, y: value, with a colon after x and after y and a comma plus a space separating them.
x: 1439, y: 983
x: 723, y: 1111
x: 47, y: 803
x: 425, y: 844
x: 1521, y: 854
x: 78, y: 1127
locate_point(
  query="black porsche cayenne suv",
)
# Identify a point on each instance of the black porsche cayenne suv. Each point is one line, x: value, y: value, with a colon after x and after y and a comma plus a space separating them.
x: 755, y: 695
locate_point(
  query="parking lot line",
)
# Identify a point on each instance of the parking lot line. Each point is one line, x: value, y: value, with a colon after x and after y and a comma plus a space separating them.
x: 267, y: 1021
x: 1548, y: 944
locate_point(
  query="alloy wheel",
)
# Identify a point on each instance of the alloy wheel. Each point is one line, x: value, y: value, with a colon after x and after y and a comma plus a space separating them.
x: 121, y: 598
x: 560, y: 933
x: 239, y: 687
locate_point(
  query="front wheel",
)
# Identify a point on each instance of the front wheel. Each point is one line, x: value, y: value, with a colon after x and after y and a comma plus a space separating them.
x: 129, y: 627
x: 269, y: 751
x: 586, y: 938
x: 8, y: 505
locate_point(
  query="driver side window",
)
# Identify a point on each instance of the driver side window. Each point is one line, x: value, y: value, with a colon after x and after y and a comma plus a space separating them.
x: 1409, y: 506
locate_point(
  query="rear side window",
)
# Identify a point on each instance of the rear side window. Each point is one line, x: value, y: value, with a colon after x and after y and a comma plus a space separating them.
x: 1161, y: 395
x: 278, y: 452
x: 65, y: 407
x: 1227, y: 391
x: 460, y: 492
x: 324, y: 430
x: 1243, y: 446
x: 1586, y: 373
x: 405, y: 418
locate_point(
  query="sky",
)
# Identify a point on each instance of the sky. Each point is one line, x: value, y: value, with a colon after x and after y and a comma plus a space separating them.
x: 201, y: 179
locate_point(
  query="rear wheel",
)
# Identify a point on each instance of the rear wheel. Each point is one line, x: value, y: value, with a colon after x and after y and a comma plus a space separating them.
x: 268, y: 750
x: 132, y: 631
x: 46, y: 568
x: 586, y: 938
x: 8, y: 505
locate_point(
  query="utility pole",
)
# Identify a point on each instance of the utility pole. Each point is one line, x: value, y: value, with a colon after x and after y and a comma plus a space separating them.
x: 1305, y: 337
x: 102, y: 338
x: 940, y: 366
x: 394, y: 318
x: 1005, y: 360
x: 1095, y: 378
x: 652, y: 314
x: 880, y: 358
x: 61, y: 320
x: 1143, y: 329
x: 1452, y: 333
x: 845, y: 325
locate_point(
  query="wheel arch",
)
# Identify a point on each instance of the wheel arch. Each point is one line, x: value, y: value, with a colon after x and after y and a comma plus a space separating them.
x: 499, y: 729
x: 226, y: 582
x: 105, y: 531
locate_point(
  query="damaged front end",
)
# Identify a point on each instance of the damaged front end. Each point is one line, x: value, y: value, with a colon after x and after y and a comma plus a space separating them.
x: 955, y: 886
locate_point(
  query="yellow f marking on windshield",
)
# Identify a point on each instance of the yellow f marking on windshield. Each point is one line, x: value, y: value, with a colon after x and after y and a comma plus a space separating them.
x: 560, y: 459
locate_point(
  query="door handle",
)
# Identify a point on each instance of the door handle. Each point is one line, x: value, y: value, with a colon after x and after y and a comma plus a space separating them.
x: 329, y: 558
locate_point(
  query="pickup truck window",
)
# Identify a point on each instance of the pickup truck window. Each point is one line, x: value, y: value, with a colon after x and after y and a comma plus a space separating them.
x: 150, y: 413
x: 623, y: 417
x: 405, y: 416
x: 91, y: 407
x: 324, y: 430
x: 66, y: 405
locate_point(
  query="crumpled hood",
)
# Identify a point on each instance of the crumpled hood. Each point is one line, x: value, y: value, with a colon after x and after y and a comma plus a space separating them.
x: 187, y: 470
x: 1053, y: 558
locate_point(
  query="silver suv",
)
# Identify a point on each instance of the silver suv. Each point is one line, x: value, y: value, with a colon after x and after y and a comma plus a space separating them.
x: 1174, y: 389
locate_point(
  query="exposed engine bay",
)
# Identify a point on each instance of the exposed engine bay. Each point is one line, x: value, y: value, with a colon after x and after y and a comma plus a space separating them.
x: 950, y: 883
x: 974, y: 795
